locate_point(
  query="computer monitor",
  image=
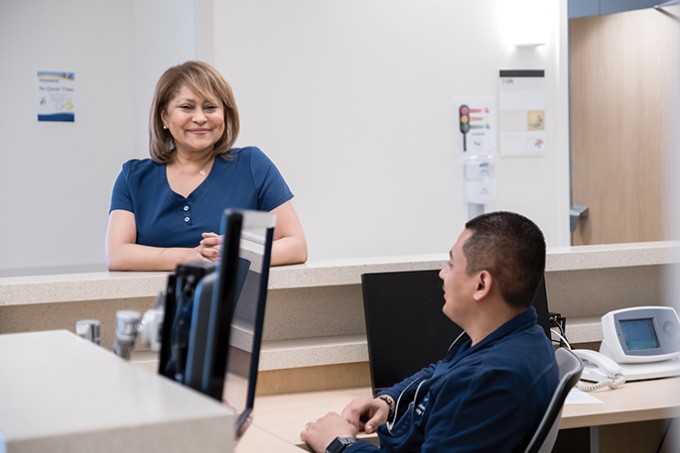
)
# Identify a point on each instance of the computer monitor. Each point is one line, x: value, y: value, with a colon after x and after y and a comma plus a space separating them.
x: 406, y: 329
x: 184, y: 286
x: 227, y: 315
x: 237, y: 310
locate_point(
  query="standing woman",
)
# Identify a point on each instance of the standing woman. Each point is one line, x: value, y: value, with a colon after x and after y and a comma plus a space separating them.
x: 167, y: 210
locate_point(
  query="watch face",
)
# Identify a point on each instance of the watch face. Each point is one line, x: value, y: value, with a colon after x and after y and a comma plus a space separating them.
x: 339, y: 444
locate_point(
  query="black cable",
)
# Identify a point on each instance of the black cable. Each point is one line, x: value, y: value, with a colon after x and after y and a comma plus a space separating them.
x: 559, y: 322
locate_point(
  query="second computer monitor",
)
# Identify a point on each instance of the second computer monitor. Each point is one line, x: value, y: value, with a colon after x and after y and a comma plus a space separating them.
x: 406, y: 329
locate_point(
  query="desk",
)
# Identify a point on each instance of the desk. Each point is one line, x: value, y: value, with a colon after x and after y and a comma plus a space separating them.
x: 631, y: 418
x: 258, y: 440
x: 59, y: 392
x: 284, y: 416
x: 634, y: 402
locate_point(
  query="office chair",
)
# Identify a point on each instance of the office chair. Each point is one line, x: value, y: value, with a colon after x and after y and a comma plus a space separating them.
x: 570, y: 372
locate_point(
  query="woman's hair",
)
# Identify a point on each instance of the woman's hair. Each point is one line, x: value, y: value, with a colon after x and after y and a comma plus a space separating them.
x: 205, y: 81
x: 510, y: 247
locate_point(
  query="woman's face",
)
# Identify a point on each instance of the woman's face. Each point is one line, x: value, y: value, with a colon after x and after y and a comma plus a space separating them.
x: 196, y: 124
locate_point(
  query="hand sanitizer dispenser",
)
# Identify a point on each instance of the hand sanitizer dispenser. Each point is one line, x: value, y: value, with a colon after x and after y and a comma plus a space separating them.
x: 480, y: 183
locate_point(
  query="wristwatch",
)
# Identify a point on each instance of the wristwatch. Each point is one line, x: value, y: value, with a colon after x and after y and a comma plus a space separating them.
x: 390, y: 403
x: 339, y: 444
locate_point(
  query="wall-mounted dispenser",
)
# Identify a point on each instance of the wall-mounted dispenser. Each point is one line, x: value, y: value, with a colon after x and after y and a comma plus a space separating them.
x: 480, y: 183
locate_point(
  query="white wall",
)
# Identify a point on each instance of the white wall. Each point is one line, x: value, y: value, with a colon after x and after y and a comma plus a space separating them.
x: 353, y: 100
x: 56, y: 178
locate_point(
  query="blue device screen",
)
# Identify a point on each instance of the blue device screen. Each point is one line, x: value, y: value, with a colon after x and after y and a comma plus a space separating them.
x: 639, y: 334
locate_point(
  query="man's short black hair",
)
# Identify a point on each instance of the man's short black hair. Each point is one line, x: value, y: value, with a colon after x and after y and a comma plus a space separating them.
x: 511, y: 248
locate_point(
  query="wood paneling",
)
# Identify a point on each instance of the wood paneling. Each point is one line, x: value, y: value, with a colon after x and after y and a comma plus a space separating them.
x: 624, y: 96
x: 307, y: 379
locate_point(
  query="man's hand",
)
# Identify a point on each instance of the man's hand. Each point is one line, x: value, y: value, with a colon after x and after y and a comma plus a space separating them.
x: 322, y: 432
x: 366, y: 414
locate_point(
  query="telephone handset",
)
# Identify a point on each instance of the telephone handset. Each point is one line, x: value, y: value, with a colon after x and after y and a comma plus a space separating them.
x: 599, y: 369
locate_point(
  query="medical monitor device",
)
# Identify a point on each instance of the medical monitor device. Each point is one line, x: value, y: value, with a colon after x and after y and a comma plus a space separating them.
x: 641, y: 334
x: 406, y: 329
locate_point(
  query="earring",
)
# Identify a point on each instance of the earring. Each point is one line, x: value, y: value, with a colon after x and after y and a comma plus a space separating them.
x: 165, y: 127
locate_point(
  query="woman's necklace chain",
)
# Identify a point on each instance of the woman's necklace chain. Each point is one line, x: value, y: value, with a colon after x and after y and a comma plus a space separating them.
x: 201, y: 172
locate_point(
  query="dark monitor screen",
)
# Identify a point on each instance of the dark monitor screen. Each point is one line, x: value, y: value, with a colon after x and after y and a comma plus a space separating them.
x: 189, y: 282
x: 227, y: 315
x: 237, y: 313
x: 406, y: 329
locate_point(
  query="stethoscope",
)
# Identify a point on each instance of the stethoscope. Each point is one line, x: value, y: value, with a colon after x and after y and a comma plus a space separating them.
x: 390, y: 424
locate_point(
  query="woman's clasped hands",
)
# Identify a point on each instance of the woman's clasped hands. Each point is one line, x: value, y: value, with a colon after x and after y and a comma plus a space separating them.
x: 209, y: 247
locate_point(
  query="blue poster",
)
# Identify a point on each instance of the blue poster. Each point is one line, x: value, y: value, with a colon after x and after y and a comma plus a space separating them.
x: 56, y: 92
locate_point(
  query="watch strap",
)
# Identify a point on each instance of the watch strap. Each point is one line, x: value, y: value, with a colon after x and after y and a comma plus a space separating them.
x: 339, y: 444
x: 390, y: 403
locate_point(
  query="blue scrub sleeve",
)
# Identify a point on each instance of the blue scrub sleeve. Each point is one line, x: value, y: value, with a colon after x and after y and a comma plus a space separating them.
x: 273, y: 190
x: 120, y: 195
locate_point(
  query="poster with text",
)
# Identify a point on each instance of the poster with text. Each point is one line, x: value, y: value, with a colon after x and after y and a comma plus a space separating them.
x: 521, y: 113
x: 56, y: 93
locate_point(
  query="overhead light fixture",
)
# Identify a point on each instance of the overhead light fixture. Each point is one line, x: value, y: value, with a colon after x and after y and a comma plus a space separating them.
x: 525, y: 23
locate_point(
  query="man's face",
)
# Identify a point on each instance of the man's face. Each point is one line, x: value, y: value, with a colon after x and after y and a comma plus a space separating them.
x: 458, y: 285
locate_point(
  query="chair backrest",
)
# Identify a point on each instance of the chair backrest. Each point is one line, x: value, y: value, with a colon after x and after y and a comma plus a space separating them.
x: 570, y: 372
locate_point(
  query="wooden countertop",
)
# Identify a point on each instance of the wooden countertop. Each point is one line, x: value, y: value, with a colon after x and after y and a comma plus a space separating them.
x: 286, y: 415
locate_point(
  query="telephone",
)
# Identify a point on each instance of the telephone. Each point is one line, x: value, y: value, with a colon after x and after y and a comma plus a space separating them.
x: 600, y: 369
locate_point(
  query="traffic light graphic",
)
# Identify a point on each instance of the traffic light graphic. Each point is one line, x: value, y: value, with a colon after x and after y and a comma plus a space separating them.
x: 464, y: 121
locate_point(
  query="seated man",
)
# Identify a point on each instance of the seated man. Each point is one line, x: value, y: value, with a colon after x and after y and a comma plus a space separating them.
x: 492, y: 388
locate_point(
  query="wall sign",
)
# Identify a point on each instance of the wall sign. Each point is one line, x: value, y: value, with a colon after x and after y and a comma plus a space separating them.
x: 521, y: 107
x: 475, y: 123
x: 56, y: 93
